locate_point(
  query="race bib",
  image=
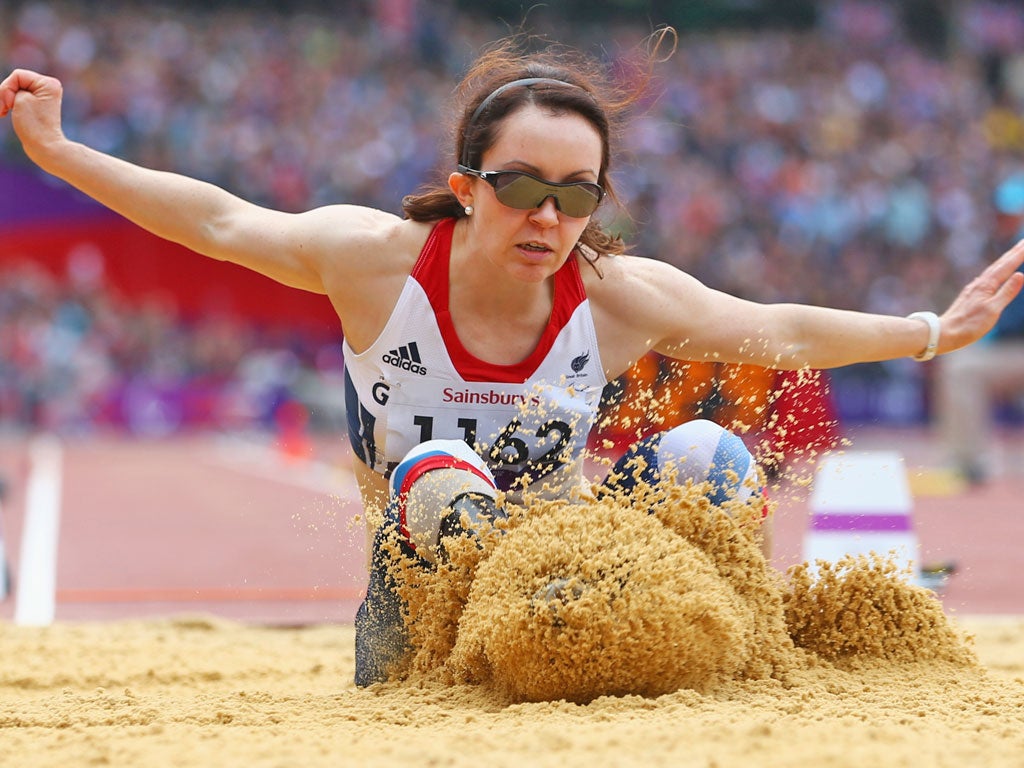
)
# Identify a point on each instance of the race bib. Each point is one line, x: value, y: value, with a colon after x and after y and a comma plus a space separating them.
x: 530, y: 435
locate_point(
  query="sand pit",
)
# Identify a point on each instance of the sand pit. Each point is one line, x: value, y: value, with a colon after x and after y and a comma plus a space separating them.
x: 736, y: 667
x: 208, y: 693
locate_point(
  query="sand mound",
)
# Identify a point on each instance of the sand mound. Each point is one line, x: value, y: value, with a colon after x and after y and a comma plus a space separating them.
x: 864, y: 607
x: 578, y: 603
x: 619, y: 597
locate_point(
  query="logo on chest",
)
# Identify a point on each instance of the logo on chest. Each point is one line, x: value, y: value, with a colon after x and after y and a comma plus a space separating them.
x: 406, y: 357
x: 580, y: 362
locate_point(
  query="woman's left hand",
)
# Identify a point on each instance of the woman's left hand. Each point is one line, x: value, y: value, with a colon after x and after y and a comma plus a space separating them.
x: 975, y: 311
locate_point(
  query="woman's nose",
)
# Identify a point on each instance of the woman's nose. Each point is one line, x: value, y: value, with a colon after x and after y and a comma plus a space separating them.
x: 546, y: 214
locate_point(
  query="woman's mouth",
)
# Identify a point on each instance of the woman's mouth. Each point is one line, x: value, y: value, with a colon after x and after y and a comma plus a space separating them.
x: 535, y: 249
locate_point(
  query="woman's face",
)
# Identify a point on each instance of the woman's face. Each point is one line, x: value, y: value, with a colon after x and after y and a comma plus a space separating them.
x: 531, y: 245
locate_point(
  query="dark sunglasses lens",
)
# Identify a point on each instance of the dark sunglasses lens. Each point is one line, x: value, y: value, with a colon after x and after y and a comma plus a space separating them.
x: 518, y: 190
x: 579, y: 200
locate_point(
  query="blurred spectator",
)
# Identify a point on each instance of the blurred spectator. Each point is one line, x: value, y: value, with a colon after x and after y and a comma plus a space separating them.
x: 971, y: 382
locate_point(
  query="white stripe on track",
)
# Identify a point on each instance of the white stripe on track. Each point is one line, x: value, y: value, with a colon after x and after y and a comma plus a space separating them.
x: 37, y: 573
x: 4, y: 574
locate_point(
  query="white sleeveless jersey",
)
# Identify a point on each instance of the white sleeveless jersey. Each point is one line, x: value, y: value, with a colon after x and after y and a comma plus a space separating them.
x: 528, y: 421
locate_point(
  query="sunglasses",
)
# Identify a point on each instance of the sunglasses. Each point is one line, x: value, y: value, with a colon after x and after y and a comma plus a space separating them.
x: 518, y: 189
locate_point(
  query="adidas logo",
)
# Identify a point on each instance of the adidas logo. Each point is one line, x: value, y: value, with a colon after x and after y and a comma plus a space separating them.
x: 406, y: 357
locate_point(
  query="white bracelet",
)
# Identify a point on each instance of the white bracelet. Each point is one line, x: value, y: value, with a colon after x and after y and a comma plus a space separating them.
x: 934, y: 328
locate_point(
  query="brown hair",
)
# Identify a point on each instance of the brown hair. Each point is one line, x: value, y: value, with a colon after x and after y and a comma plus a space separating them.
x: 571, y: 82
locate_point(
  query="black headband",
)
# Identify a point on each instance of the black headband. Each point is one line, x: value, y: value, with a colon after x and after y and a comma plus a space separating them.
x: 492, y: 96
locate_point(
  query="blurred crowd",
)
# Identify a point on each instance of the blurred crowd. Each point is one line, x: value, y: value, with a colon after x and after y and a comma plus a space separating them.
x: 846, y: 165
x: 75, y: 357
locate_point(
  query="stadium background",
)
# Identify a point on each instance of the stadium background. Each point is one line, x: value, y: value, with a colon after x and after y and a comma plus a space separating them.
x: 864, y: 155
x: 846, y: 154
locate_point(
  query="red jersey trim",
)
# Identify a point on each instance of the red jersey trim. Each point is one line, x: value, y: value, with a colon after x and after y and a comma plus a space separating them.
x: 432, y: 272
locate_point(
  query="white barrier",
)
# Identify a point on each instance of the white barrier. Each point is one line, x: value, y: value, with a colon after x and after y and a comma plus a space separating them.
x: 861, y: 503
x: 36, y: 588
x: 5, y: 571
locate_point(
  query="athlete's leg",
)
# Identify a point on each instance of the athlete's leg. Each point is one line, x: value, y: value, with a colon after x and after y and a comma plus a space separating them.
x: 433, y: 488
x: 698, y: 451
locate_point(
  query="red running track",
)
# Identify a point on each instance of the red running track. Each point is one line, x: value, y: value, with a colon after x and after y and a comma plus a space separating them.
x: 195, y: 525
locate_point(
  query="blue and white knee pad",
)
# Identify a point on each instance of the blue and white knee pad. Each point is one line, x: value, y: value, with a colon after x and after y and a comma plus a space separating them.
x: 426, y: 482
x: 698, y: 451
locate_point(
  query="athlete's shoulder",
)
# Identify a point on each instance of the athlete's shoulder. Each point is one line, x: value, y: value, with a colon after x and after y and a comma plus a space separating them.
x: 360, y: 226
x: 360, y: 240
x: 632, y: 281
x: 365, y: 262
x: 636, y: 302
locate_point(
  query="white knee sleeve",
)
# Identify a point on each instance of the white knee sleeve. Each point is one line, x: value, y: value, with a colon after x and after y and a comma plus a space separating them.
x: 425, y: 483
x: 702, y: 451
x: 698, y: 451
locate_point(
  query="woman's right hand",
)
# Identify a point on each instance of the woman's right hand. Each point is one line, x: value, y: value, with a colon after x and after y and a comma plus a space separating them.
x: 33, y: 101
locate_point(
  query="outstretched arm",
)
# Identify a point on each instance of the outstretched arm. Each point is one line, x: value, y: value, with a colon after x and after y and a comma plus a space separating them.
x: 289, y: 248
x: 682, y: 318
